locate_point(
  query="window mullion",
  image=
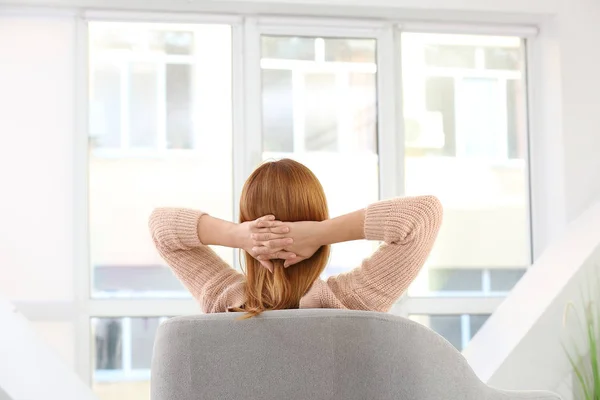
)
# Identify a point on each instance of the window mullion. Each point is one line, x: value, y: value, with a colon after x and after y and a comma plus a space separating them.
x: 465, y: 330
x: 245, y: 46
x: 390, y: 121
x: 247, y: 137
x: 126, y: 345
x: 81, y: 231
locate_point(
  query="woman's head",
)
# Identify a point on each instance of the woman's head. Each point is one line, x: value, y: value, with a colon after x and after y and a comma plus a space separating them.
x: 291, y: 192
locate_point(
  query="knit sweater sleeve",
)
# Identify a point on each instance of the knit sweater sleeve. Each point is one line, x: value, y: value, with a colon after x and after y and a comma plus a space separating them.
x: 408, y: 227
x: 208, y: 278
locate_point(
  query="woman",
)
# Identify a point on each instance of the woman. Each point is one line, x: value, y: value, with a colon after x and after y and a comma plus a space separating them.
x: 285, y: 256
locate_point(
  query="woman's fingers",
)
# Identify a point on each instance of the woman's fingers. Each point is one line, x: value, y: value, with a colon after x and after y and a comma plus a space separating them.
x: 269, y: 224
x: 266, y: 236
x: 255, y: 224
x: 279, y: 229
x: 279, y: 255
x: 261, y: 250
x: 278, y: 243
x: 266, y: 253
x: 272, y: 246
x: 276, y: 229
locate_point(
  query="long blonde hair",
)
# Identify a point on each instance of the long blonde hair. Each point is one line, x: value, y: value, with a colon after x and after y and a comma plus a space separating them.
x: 291, y: 192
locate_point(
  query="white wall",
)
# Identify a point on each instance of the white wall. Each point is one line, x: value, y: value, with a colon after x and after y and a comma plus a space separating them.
x: 580, y: 59
x: 36, y: 158
x: 36, y: 171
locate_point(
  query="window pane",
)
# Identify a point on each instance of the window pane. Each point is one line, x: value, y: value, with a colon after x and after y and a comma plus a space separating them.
x: 505, y: 280
x: 122, y: 354
x: 448, y: 326
x: 172, y: 42
x: 105, y: 106
x: 130, y: 37
x: 142, y: 85
x: 324, y: 116
x: 457, y: 329
x: 320, y: 117
x: 455, y: 280
x: 277, y: 107
x: 124, y: 190
x: 349, y: 50
x: 142, y: 341
x: 144, y: 127
x: 516, y: 114
x: 450, y: 56
x: 476, y: 322
x: 503, y: 58
x: 288, y: 48
x: 466, y: 143
x: 108, y: 343
x: 179, y: 106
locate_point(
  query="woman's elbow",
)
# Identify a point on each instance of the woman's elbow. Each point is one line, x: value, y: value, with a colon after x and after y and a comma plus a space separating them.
x: 159, y: 229
x: 433, y: 212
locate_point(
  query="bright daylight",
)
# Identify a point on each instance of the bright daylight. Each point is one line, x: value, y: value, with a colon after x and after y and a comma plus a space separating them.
x: 290, y: 200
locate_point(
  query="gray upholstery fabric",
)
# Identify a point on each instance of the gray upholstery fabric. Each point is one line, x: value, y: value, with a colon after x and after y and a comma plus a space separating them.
x: 312, y: 354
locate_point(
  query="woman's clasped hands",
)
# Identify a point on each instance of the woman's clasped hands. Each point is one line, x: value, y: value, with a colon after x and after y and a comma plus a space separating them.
x: 267, y: 239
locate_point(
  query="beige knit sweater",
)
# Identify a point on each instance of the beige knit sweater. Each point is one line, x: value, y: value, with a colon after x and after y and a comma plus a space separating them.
x: 408, y: 227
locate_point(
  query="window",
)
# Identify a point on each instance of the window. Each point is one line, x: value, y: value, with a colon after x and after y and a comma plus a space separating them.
x: 319, y: 106
x: 466, y: 142
x: 154, y: 88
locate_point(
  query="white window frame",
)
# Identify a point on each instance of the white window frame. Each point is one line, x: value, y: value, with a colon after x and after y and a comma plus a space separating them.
x: 248, y: 147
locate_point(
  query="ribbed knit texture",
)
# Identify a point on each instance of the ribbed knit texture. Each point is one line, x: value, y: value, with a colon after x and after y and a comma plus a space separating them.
x: 408, y: 227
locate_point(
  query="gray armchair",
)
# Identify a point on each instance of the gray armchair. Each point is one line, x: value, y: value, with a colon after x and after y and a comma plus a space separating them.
x: 312, y: 354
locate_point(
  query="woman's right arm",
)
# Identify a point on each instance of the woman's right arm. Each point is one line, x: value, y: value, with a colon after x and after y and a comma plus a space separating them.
x: 176, y: 234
